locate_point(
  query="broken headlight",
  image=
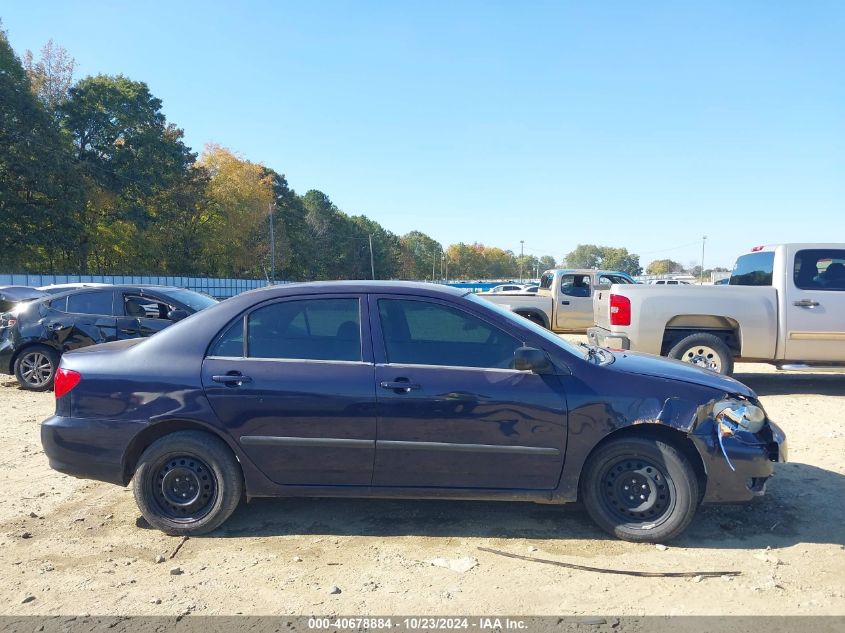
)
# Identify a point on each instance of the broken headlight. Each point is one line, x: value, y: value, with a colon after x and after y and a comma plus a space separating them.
x: 736, y: 415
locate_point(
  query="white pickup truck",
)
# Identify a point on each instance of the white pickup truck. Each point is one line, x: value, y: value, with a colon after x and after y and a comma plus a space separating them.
x: 564, y: 301
x: 784, y: 305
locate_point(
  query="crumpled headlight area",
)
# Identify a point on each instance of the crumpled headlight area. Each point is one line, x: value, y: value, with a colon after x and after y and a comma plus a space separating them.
x: 735, y: 418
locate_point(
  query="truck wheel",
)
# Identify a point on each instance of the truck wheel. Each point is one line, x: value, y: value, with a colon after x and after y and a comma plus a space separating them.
x: 35, y: 368
x: 704, y: 350
x: 640, y: 489
x: 188, y: 482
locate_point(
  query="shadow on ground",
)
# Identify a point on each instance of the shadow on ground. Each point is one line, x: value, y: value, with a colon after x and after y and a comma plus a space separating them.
x: 803, y: 506
x: 769, y: 384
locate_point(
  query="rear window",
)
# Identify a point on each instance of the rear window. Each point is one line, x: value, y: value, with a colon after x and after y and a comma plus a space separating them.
x: 819, y: 269
x: 547, y: 280
x: 754, y: 269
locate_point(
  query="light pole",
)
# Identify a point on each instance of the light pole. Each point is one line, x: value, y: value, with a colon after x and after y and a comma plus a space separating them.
x: 701, y: 274
x: 521, y: 258
x: 433, y: 263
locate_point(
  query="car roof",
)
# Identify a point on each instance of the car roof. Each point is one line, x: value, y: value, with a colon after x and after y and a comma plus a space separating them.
x: 136, y: 288
x: 359, y: 286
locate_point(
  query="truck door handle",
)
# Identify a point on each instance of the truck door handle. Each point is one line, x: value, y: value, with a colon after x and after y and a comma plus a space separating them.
x: 564, y: 303
x: 232, y: 380
x: 806, y: 303
x: 400, y: 386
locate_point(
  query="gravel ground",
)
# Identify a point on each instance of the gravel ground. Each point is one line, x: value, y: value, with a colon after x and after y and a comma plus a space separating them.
x: 70, y: 546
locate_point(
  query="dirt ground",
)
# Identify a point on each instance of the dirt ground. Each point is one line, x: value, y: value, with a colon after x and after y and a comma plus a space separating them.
x: 70, y: 546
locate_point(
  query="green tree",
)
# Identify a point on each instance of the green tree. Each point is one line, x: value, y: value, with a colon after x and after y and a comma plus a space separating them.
x: 128, y: 155
x: 606, y: 257
x: 419, y: 252
x: 547, y: 262
x: 38, y: 183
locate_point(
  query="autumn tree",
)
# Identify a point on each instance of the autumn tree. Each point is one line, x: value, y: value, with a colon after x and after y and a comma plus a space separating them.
x: 51, y: 76
x: 664, y: 267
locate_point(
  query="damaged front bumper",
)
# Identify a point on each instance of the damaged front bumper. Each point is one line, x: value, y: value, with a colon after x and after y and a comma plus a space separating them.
x: 738, y: 469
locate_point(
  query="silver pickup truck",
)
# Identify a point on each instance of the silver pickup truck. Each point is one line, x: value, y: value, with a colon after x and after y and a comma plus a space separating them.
x: 564, y: 301
x: 784, y: 305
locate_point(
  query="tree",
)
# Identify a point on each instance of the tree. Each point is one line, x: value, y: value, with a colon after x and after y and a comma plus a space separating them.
x: 663, y: 267
x: 606, y: 257
x: 38, y: 184
x: 128, y: 156
x: 51, y: 76
x: 547, y: 262
x: 240, y: 195
x: 419, y: 252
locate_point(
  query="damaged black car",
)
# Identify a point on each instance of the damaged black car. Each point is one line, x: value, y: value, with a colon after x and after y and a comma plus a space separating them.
x: 35, y: 333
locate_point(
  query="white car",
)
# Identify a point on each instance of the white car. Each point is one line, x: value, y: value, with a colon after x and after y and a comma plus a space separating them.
x: 505, y: 288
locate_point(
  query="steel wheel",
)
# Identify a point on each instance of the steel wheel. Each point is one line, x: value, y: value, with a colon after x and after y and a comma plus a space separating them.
x: 705, y: 350
x: 636, y: 490
x: 184, y: 488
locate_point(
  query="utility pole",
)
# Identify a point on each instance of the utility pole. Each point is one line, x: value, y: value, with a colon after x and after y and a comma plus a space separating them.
x: 272, y: 247
x: 433, y: 263
x: 372, y: 262
x: 446, y: 260
x: 701, y: 275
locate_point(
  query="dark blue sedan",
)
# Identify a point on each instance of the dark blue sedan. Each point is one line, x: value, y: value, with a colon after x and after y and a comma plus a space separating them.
x: 401, y: 390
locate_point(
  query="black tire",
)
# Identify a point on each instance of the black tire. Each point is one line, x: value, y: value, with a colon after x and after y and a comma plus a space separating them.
x: 704, y: 350
x: 535, y: 318
x: 191, y: 464
x: 669, y: 496
x: 35, y: 368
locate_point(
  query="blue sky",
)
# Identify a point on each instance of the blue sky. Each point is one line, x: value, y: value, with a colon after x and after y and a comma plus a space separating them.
x: 636, y: 124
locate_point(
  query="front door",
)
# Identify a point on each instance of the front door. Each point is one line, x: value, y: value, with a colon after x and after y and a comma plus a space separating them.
x: 574, y: 309
x: 292, y: 382
x: 452, y: 413
x: 815, y: 306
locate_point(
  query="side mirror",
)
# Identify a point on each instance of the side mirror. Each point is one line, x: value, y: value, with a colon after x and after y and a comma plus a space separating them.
x: 177, y: 315
x: 530, y: 359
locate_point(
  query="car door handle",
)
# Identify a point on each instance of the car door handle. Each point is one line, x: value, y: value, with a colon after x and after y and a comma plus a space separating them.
x: 806, y: 303
x: 232, y: 379
x: 399, y: 385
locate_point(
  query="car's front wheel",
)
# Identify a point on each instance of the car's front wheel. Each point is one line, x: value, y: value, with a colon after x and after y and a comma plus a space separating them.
x: 35, y: 368
x: 188, y: 482
x: 640, y: 489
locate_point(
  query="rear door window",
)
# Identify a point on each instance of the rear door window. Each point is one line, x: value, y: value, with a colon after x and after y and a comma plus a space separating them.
x: 91, y: 302
x: 141, y: 307
x: 307, y: 329
x: 819, y: 269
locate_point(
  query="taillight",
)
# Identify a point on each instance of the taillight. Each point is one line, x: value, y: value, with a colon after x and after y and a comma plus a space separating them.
x: 66, y: 379
x: 757, y: 249
x: 620, y: 310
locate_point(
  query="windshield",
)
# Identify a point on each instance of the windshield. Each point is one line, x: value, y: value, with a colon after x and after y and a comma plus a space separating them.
x: 537, y: 329
x: 194, y: 300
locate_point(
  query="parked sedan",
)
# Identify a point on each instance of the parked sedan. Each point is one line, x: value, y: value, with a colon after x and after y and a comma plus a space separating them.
x: 390, y: 389
x: 35, y: 334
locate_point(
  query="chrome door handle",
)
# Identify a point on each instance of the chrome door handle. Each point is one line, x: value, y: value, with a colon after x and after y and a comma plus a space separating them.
x: 806, y: 303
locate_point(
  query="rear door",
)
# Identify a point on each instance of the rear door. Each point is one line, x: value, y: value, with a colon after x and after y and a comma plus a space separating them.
x: 81, y: 319
x: 452, y: 412
x: 574, y: 310
x: 815, y: 306
x: 292, y: 381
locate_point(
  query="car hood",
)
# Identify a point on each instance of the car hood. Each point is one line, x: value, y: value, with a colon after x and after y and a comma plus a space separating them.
x: 670, y: 369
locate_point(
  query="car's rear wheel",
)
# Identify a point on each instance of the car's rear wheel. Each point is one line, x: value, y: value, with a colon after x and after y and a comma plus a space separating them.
x: 188, y: 482
x: 535, y: 318
x: 35, y: 368
x: 640, y: 489
x: 704, y: 350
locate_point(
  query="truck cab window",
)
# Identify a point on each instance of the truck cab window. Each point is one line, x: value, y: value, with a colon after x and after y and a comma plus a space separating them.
x: 819, y: 269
